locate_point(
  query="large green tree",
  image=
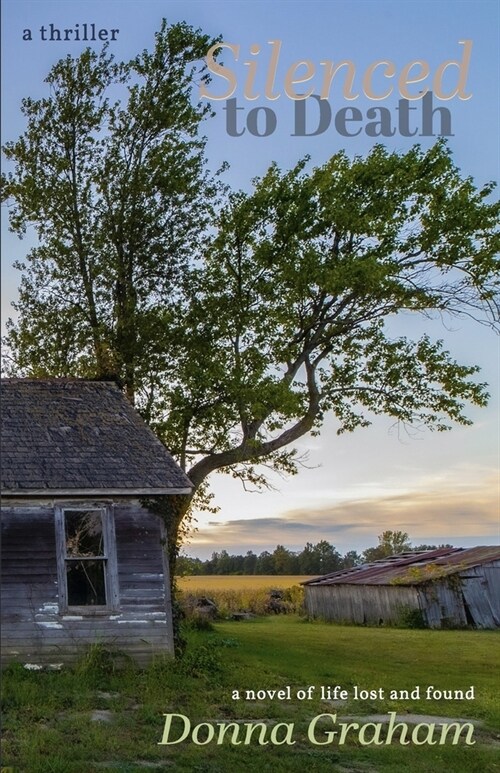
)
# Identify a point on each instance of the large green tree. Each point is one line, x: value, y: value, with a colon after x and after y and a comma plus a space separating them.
x: 110, y: 173
x: 237, y: 322
x: 288, y: 314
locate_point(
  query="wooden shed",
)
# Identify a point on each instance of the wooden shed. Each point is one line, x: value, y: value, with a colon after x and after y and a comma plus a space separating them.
x: 449, y: 587
x: 83, y: 559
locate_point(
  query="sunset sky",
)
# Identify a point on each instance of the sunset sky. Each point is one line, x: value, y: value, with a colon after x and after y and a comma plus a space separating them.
x: 438, y: 487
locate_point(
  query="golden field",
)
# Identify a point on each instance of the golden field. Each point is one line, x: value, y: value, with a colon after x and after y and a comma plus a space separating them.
x: 239, y: 592
x: 216, y: 582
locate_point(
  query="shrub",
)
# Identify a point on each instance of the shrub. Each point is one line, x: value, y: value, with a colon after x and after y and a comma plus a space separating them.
x: 412, y: 618
x: 202, y: 660
x: 100, y: 661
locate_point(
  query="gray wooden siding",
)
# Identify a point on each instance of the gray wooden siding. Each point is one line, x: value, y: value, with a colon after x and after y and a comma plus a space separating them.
x: 442, y: 605
x: 481, y: 593
x: 33, y: 627
x: 361, y: 604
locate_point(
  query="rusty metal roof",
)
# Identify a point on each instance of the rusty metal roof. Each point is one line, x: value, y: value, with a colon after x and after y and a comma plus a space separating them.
x: 411, y: 568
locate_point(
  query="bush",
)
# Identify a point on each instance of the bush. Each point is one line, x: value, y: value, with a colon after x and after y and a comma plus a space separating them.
x: 101, y: 661
x: 203, y: 660
x: 197, y: 623
x: 412, y: 618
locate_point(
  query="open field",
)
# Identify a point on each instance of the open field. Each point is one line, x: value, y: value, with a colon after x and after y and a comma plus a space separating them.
x: 99, y: 719
x: 214, y: 582
x: 236, y: 593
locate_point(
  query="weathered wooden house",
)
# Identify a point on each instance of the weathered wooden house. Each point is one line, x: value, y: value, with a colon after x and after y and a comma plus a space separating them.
x: 448, y: 587
x: 83, y: 558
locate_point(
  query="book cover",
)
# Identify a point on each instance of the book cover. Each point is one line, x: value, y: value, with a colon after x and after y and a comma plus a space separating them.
x: 274, y: 228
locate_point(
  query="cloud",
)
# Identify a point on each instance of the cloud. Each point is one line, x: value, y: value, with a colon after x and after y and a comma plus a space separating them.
x: 452, y: 513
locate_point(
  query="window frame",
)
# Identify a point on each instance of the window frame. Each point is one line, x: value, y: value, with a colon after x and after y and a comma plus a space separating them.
x: 108, y: 558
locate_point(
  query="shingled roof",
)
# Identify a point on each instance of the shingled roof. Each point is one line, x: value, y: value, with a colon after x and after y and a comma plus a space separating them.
x: 71, y: 435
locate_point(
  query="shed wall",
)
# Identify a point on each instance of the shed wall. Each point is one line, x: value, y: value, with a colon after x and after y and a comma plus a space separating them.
x: 361, y: 604
x: 442, y: 605
x: 33, y: 627
x: 481, y: 594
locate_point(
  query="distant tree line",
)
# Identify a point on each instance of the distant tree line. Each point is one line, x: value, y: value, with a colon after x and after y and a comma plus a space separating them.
x: 321, y: 558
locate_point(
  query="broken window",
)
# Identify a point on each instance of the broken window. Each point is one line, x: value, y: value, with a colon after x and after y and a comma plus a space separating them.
x: 87, y: 564
x: 85, y: 557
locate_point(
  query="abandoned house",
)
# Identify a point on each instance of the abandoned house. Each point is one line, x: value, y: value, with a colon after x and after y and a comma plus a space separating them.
x: 83, y: 558
x: 445, y: 588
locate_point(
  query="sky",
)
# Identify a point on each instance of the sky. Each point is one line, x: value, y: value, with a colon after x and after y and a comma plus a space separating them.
x: 438, y: 487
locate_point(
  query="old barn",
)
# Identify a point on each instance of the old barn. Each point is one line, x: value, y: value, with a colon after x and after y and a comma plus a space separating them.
x: 83, y: 558
x: 448, y: 587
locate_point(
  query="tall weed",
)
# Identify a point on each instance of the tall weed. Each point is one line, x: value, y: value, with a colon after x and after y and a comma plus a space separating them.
x: 254, y: 600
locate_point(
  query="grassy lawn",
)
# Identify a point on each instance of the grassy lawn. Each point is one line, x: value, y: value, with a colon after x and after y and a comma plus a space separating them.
x: 51, y: 725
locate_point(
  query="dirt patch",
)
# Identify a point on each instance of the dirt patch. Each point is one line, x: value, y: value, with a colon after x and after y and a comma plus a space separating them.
x: 413, y: 719
x: 102, y: 716
x: 138, y: 763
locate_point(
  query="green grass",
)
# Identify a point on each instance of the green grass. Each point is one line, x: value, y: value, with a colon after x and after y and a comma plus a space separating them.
x: 47, y: 716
